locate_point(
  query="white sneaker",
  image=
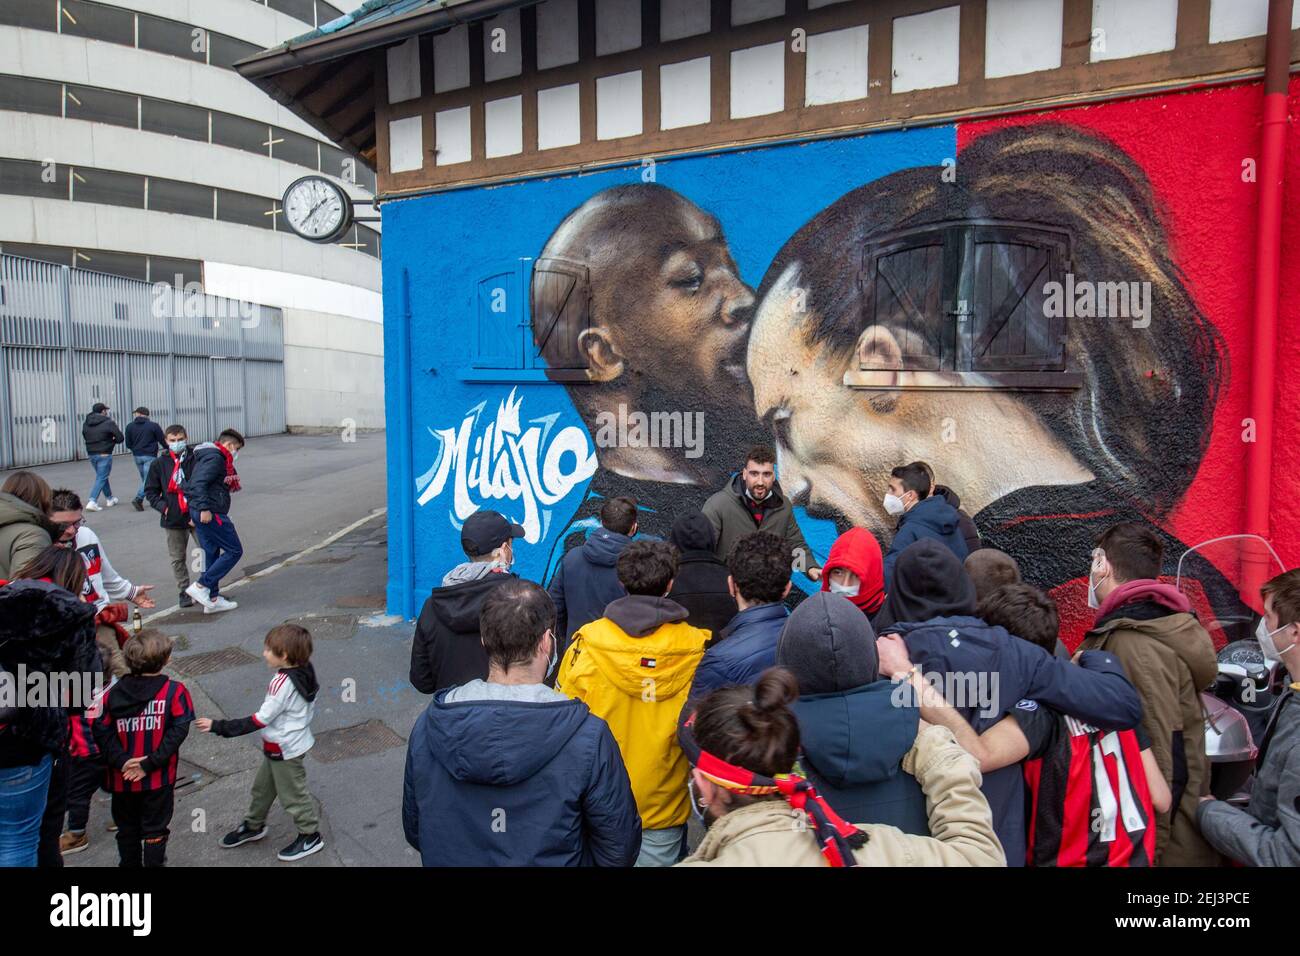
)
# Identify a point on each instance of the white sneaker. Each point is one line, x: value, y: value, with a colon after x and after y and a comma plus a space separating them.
x: 91, y: 506
x: 110, y: 502
x: 220, y: 604
x: 200, y: 594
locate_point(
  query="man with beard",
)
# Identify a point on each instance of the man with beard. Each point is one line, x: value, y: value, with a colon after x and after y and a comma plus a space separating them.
x: 635, y: 275
x: 753, y: 501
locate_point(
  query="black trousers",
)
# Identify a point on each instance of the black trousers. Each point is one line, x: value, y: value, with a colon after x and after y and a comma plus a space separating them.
x: 142, y: 825
x: 56, y: 804
x: 84, y: 778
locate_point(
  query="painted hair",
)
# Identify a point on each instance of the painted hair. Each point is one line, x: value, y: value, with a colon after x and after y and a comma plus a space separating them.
x: 1140, y: 421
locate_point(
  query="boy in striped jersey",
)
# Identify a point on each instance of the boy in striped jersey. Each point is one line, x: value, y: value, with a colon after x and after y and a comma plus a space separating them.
x: 144, y: 721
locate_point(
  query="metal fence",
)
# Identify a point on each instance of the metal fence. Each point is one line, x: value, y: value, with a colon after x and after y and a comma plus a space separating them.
x: 70, y: 338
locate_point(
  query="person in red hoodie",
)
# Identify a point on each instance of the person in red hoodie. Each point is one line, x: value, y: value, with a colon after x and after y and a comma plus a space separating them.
x: 855, y: 569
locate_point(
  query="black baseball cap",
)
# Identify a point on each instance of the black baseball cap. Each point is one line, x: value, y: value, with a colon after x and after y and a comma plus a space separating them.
x: 485, y: 531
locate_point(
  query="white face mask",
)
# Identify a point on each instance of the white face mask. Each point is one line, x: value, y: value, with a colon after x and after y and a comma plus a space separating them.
x: 894, y: 504
x: 695, y: 801
x: 555, y: 654
x: 177, y: 447
x: 848, y: 590
x: 1265, y: 637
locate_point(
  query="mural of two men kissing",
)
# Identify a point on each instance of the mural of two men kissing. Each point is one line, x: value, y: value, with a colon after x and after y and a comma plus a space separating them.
x: 908, y: 315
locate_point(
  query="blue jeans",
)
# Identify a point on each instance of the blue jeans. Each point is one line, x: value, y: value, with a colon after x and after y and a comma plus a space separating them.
x: 221, y: 550
x: 142, y: 463
x: 661, y: 847
x: 103, y: 465
x: 22, y: 804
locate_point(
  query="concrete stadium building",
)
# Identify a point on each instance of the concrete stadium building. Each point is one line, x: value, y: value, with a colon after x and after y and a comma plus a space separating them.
x: 130, y: 146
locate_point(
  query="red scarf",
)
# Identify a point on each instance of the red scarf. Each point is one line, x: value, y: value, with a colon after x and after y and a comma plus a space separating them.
x: 232, y: 476
x: 174, y: 485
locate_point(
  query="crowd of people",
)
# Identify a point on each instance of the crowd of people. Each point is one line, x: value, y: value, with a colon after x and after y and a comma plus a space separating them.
x: 919, y: 709
x: 66, y: 611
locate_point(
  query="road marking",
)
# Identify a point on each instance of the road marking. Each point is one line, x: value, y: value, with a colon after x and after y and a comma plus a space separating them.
x: 167, y: 612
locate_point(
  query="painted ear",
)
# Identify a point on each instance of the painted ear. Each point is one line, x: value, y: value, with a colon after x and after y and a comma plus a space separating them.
x: 603, y: 361
x: 878, y: 349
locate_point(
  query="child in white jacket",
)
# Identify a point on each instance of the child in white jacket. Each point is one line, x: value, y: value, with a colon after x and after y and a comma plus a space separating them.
x: 284, y: 720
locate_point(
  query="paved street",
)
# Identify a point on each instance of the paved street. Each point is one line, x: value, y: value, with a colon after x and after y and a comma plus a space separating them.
x: 299, y: 490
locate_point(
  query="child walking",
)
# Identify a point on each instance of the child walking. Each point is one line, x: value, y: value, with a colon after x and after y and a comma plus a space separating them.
x: 144, y: 720
x: 285, y: 722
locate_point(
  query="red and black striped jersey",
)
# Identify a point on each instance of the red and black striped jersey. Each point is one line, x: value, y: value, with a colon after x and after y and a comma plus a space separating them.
x: 1086, y: 793
x: 144, y: 717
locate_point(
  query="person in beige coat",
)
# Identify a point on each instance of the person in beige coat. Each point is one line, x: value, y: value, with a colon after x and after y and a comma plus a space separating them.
x: 743, y: 744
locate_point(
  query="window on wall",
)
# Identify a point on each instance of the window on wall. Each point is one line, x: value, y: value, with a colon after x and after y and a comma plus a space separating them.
x: 124, y: 264
x: 165, y: 269
x: 326, y: 12
x: 245, y: 209
x: 240, y: 133
x: 294, y: 148
x: 24, y: 95
x: 173, y: 38
x: 964, y: 298
x: 98, y: 22
x: 34, y: 14
x: 25, y: 177
x: 304, y: 10
x: 184, y: 199
x: 226, y: 51
x: 102, y: 106
x: 108, y: 187
x: 59, y: 255
x: 174, y: 119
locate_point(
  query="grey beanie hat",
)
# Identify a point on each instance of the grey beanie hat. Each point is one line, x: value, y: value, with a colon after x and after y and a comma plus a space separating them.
x: 829, y: 645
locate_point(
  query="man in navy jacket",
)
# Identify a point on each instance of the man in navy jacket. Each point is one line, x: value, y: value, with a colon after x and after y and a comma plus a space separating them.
x: 920, y: 515
x: 760, y: 566
x: 586, y: 581
x: 984, y: 671
x: 509, y: 772
x: 208, y: 489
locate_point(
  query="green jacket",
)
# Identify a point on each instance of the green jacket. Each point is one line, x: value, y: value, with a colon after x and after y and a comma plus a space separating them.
x: 731, y: 521
x: 24, y: 533
x: 1170, y: 660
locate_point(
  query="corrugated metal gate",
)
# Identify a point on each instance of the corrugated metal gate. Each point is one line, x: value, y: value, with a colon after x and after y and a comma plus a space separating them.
x: 71, y: 338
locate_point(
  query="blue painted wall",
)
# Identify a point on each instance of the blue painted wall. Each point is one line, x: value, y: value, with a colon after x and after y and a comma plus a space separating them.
x: 437, y: 250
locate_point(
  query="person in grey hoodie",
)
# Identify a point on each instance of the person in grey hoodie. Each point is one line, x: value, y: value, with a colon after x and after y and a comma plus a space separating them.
x: 855, y: 733
x: 447, y: 649
x: 586, y: 581
x: 1267, y: 832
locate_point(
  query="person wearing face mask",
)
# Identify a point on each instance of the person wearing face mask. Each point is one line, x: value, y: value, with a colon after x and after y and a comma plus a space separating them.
x: 919, y: 515
x: 162, y: 488
x: 448, y: 648
x: 855, y: 570
x: 1169, y: 657
x: 208, y: 489
x: 1267, y: 831
x: 505, y: 771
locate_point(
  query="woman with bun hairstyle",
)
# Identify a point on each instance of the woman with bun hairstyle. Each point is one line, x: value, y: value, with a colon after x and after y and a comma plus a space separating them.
x: 743, y: 744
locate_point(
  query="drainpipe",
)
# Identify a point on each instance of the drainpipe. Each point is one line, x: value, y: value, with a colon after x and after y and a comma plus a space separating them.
x: 1263, y: 378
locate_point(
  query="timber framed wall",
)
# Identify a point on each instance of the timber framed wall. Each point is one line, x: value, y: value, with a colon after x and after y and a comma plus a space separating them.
x: 514, y: 110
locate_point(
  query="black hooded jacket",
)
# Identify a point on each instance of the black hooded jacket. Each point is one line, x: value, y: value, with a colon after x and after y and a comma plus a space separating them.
x: 447, y: 648
x: 701, y: 582
x: 965, y: 523
x: 100, y: 433
x: 47, y: 630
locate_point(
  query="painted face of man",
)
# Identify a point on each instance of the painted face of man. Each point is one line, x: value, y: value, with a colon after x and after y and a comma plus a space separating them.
x: 837, y: 443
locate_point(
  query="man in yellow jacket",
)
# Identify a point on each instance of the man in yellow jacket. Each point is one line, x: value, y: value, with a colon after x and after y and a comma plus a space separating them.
x: 633, y: 668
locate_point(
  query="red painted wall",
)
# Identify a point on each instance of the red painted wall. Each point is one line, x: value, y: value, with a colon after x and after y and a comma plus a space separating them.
x: 1192, y: 147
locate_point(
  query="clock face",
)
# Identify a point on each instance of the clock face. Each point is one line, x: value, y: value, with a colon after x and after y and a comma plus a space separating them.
x: 317, y: 209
